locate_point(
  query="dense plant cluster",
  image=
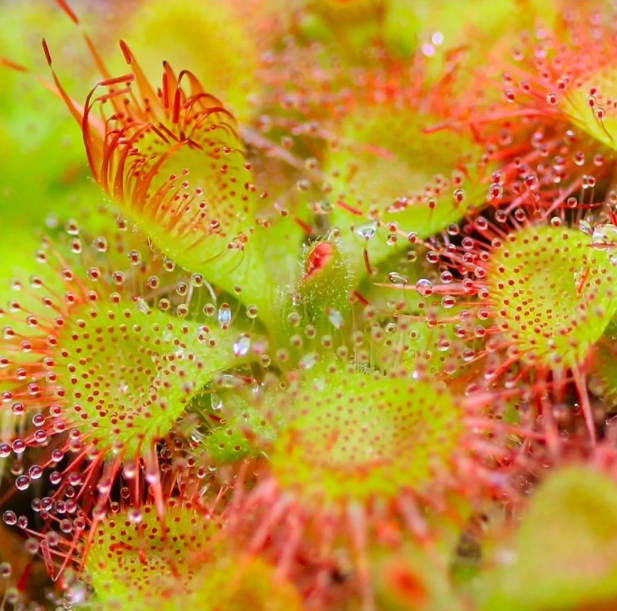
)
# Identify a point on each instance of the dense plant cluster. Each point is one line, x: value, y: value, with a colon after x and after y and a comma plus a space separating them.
x: 308, y: 305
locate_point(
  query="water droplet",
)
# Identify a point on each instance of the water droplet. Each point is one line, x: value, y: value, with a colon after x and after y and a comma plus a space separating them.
x: 77, y: 594
x: 309, y: 360
x: 182, y: 310
x: 585, y: 227
x: 224, y: 316
x: 52, y: 538
x: 135, y: 516
x: 324, y: 207
x: 335, y: 318
x: 141, y: 305
x: 367, y: 231
x: 396, y: 278
x: 129, y: 469
x: 242, y: 346
x: 605, y: 233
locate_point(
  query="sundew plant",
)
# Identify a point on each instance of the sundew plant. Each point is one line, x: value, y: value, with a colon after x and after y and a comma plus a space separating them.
x: 308, y: 305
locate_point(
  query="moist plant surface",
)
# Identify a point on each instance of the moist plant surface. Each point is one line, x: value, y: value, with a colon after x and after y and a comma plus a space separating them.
x: 308, y: 305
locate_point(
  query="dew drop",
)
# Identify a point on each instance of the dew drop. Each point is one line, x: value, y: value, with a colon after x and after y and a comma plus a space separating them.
x: 309, y: 360
x: 141, y: 305
x: 367, y: 231
x: 396, y: 278
x: 135, y: 515
x: 585, y: 227
x: 77, y: 594
x: 224, y: 316
x: 605, y: 233
x: 335, y: 318
x: 242, y: 346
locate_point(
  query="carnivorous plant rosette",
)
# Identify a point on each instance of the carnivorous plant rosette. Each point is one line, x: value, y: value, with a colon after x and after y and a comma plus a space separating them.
x: 310, y: 306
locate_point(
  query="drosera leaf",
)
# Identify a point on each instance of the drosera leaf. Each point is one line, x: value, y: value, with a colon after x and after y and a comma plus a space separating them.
x: 390, y: 188
x: 530, y: 106
x: 111, y: 357
x: 415, y: 318
x: 171, y: 158
x: 585, y: 97
x: 136, y: 561
x: 543, y: 293
x: 361, y: 458
x: 554, y: 292
x: 239, y: 581
x: 603, y: 370
x: 139, y: 356
x: 365, y: 451
x: 564, y: 555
